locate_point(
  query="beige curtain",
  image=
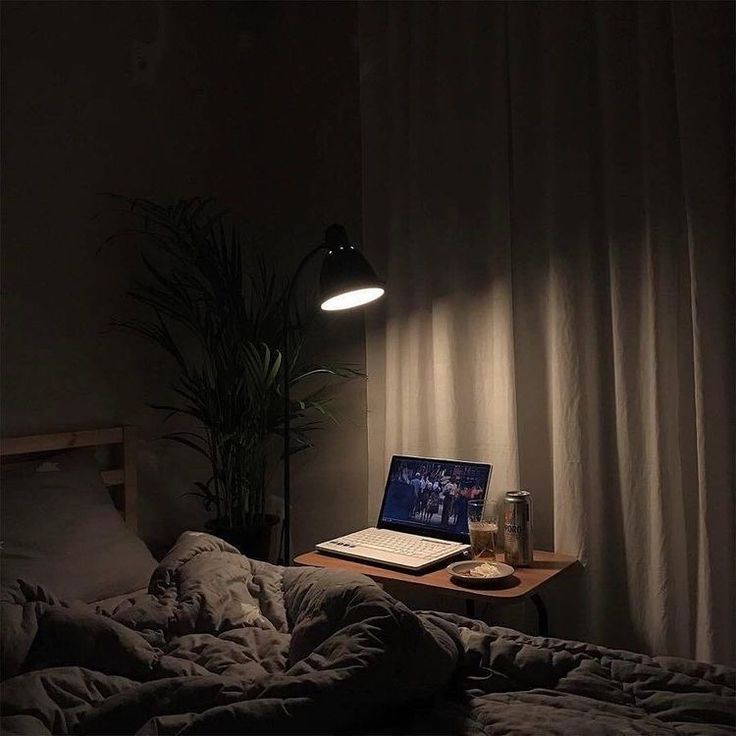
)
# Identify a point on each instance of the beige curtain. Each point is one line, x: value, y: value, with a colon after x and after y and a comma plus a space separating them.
x: 549, y: 193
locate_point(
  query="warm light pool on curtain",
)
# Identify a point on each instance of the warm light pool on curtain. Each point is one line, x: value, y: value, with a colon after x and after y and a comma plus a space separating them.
x: 561, y: 289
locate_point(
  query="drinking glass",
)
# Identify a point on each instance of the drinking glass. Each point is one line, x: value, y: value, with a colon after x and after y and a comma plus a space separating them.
x: 483, y: 528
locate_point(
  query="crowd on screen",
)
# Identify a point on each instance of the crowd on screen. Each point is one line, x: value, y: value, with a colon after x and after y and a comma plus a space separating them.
x: 436, y: 495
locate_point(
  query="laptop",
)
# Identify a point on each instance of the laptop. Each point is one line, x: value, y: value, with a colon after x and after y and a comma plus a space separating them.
x: 424, y: 514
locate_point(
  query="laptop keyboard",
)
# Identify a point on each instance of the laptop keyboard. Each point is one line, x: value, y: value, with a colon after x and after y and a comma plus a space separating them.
x: 402, y: 544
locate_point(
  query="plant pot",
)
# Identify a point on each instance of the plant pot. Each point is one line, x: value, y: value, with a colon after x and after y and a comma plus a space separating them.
x: 254, y: 540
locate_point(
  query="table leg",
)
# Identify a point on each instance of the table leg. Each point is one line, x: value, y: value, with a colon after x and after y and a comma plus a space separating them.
x: 470, y: 608
x: 542, y: 619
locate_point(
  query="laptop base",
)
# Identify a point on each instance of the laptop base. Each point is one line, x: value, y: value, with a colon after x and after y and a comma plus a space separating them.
x: 345, y: 547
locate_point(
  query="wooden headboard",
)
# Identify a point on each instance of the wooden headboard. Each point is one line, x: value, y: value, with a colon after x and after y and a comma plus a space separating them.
x: 123, y: 474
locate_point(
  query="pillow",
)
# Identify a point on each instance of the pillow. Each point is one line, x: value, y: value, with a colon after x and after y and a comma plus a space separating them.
x: 60, y: 528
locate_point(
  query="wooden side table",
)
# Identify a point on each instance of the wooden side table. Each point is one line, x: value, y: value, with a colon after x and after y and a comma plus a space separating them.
x: 526, y: 581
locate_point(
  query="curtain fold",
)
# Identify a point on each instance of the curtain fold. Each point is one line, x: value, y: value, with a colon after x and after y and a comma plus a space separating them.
x: 549, y: 192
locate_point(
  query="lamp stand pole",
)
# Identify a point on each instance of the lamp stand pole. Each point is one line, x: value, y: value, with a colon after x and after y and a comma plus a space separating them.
x: 285, y: 542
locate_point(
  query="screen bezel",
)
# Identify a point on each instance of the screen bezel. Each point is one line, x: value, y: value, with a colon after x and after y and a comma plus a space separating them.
x: 426, y: 531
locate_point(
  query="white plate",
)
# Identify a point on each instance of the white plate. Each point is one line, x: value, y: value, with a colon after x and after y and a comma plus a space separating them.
x: 460, y: 571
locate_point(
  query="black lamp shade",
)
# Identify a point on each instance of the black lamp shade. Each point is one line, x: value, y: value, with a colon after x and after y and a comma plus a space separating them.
x: 347, y: 280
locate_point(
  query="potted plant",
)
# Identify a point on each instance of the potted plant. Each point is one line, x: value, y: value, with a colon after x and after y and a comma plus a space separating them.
x: 223, y: 326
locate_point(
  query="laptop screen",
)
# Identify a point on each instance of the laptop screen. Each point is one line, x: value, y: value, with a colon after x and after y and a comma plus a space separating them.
x: 430, y: 496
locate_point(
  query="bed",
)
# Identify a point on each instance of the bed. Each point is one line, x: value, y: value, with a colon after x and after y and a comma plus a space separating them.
x: 216, y: 643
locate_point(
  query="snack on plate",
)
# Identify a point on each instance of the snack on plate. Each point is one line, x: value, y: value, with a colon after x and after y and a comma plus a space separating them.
x: 485, y: 570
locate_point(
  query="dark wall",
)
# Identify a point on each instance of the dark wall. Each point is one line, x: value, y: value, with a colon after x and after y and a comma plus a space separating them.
x: 256, y: 104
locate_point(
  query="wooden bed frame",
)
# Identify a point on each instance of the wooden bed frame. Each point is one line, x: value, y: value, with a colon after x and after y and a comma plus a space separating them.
x: 123, y: 474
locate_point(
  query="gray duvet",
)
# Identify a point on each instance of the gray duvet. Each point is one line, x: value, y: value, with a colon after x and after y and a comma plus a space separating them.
x: 222, y: 644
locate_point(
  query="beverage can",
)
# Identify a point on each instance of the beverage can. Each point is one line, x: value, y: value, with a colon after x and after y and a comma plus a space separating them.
x: 518, y: 529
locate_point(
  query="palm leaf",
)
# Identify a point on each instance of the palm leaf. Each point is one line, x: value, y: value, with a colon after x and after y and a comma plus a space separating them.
x: 228, y: 379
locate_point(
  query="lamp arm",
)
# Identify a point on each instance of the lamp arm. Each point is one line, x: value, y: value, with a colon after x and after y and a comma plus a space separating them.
x: 285, y: 540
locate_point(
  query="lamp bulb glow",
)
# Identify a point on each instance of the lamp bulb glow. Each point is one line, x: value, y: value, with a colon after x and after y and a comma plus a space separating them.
x: 353, y: 298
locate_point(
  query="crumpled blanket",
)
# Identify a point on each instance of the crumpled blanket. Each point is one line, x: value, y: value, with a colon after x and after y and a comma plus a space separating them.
x: 512, y: 683
x: 222, y: 644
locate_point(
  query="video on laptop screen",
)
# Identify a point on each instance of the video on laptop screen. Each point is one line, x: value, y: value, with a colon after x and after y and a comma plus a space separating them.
x: 425, y: 494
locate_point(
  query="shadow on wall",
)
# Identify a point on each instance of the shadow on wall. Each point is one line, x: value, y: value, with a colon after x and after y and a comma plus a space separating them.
x: 164, y: 100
